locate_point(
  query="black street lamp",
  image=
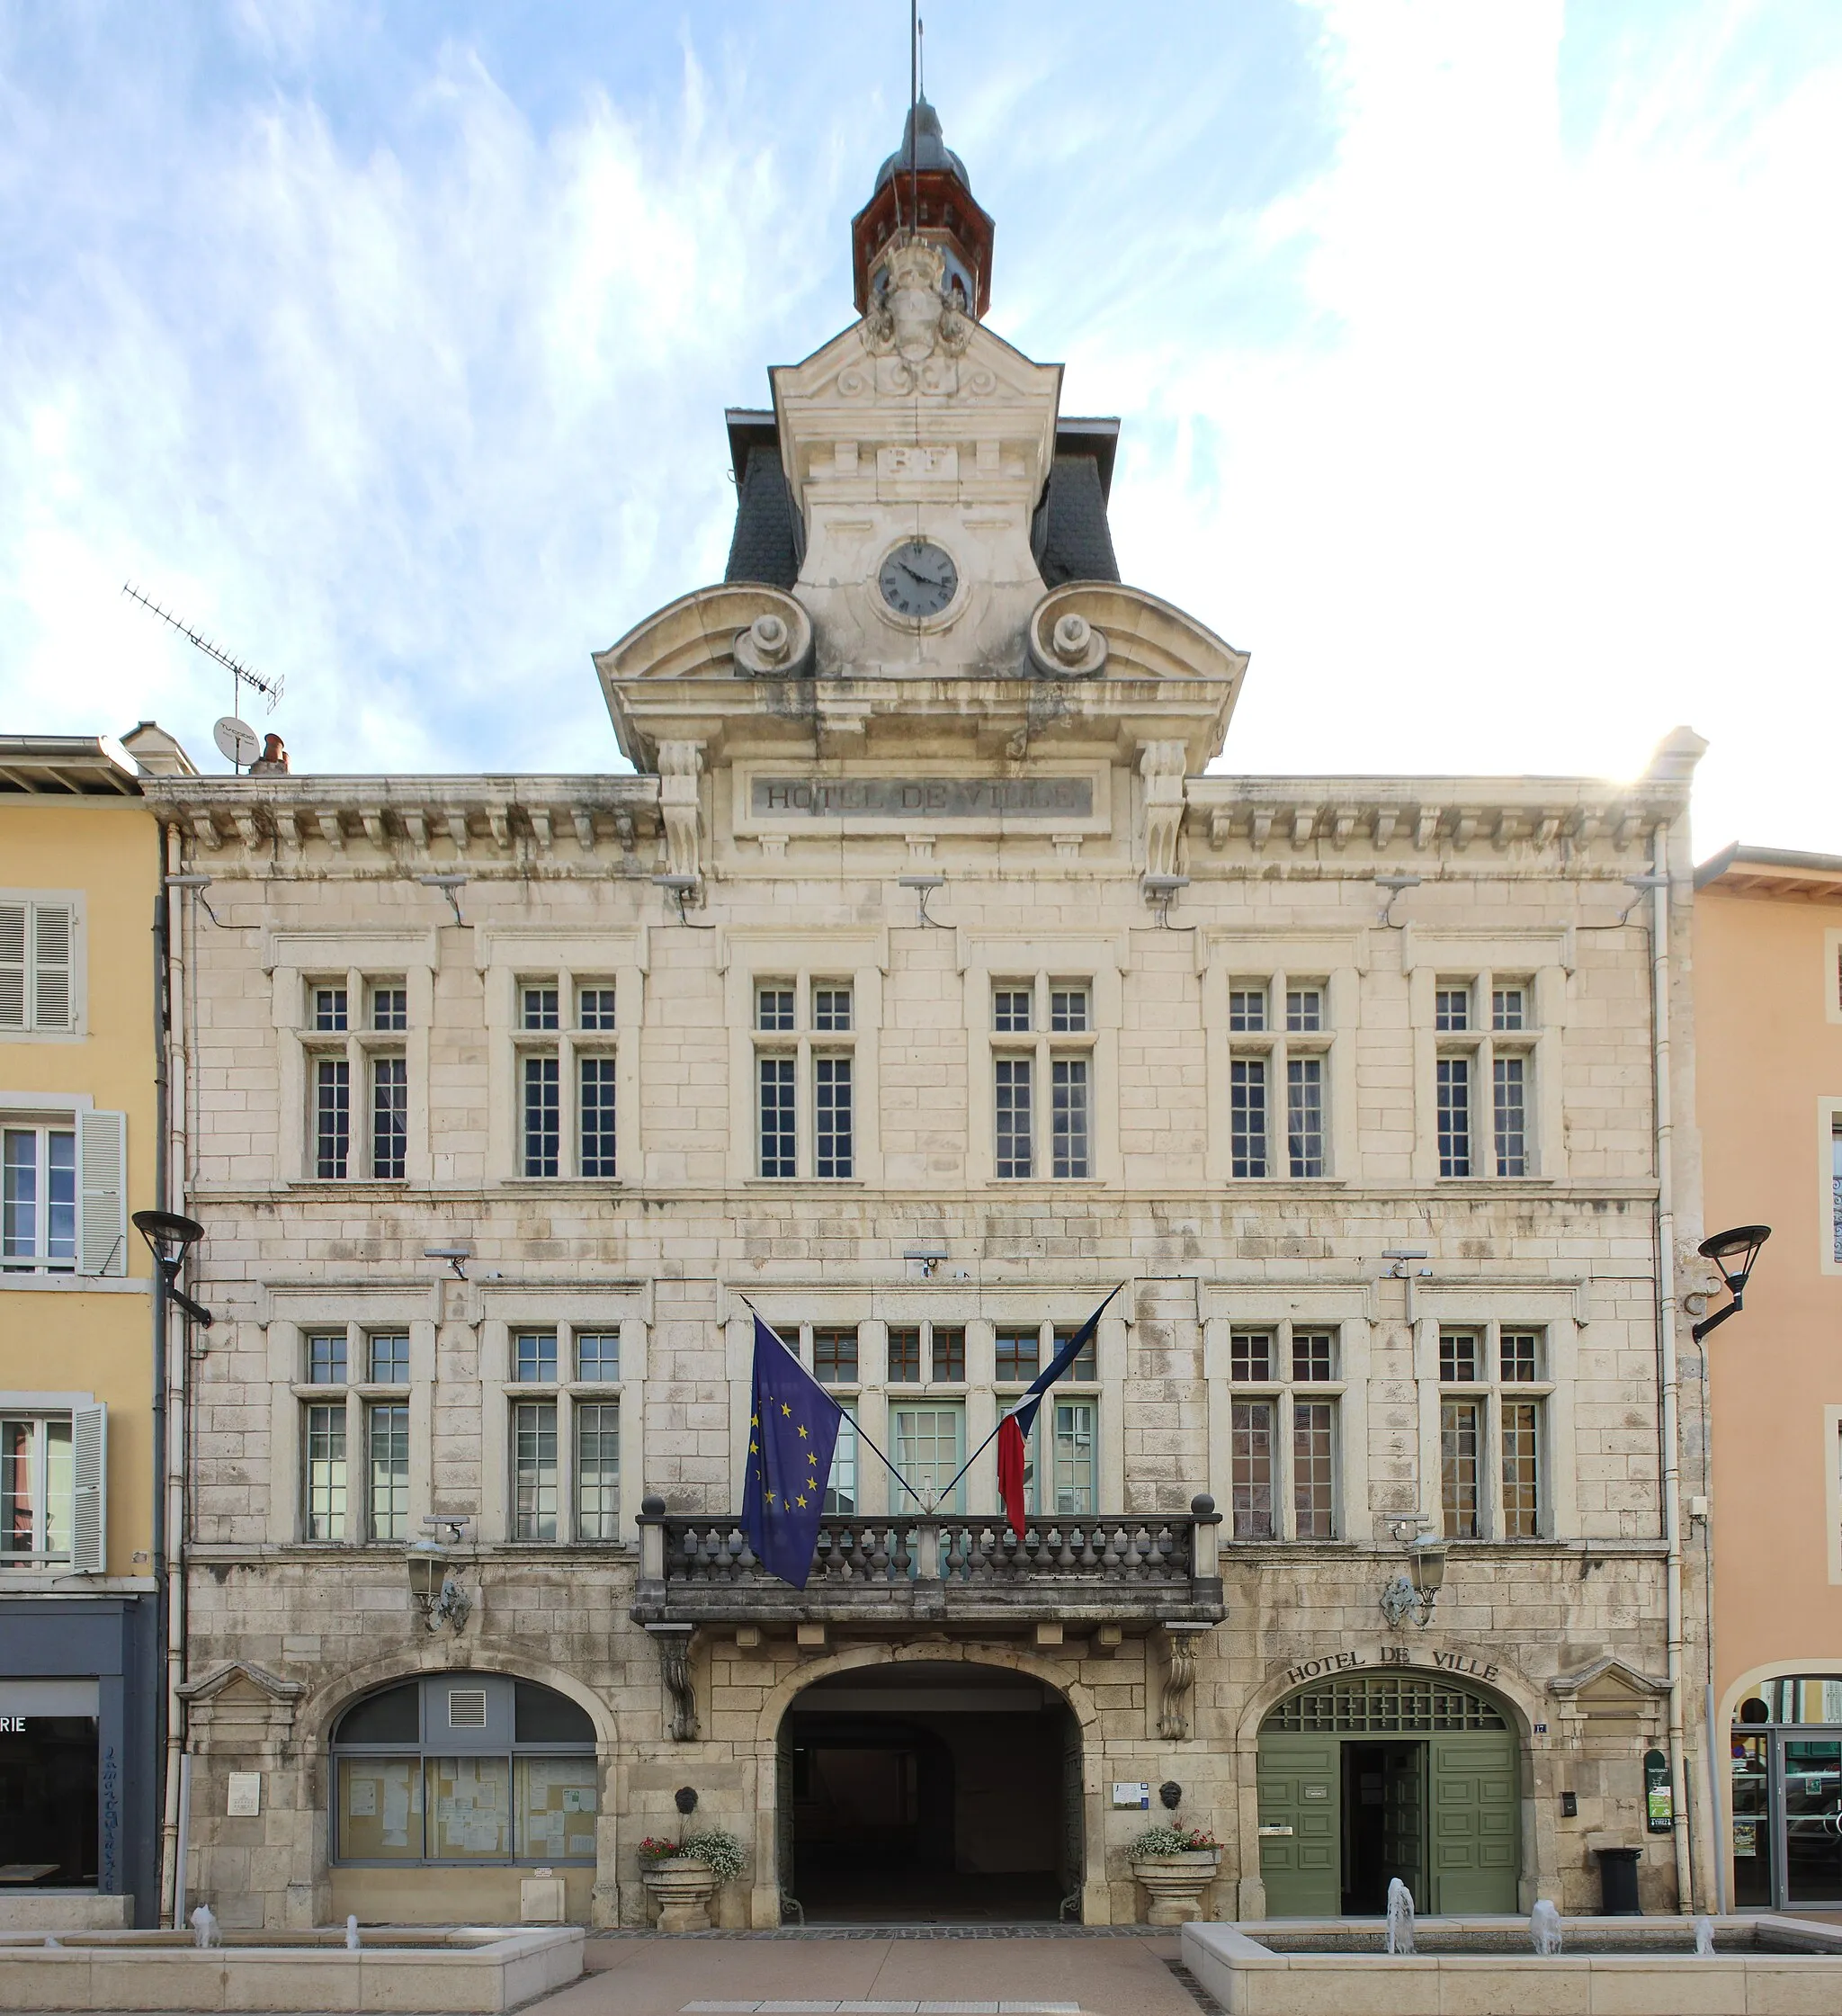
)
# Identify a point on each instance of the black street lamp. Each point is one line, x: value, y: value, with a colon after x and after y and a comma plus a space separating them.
x: 1734, y: 1253
x: 170, y: 1238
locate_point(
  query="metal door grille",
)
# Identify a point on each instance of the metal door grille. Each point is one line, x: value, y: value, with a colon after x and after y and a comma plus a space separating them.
x: 1385, y: 1704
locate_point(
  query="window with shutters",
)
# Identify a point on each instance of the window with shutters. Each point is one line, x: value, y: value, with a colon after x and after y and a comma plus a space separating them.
x: 41, y: 992
x: 53, y: 1464
x: 63, y: 1191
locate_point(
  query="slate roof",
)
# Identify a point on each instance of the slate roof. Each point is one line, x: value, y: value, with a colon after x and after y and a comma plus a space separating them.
x: 763, y: 548
x: 1069, y: 535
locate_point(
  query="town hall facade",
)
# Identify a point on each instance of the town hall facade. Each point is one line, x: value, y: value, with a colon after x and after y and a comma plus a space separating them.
x: 922, y: 984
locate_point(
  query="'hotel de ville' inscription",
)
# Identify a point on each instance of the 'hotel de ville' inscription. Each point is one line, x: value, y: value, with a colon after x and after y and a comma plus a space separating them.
x: 932, y: 797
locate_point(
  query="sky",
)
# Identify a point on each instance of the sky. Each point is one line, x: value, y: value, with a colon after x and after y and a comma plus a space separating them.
x: 1477, y: 363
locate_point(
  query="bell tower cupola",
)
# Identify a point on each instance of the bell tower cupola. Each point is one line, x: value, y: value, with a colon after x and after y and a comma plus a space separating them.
x: 922, y: 189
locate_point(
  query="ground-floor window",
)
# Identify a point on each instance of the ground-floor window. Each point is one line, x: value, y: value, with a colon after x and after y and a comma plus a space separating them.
x: 48, y: 1799
x: 1786, y: 1760
x: 464, y: 1769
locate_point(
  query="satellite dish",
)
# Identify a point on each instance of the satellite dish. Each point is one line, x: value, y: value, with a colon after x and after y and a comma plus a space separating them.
x: 238, y: 741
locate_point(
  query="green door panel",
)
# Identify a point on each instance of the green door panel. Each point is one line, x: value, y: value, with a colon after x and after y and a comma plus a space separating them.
x: 1299, y: 1783
x: 1476, y: 1824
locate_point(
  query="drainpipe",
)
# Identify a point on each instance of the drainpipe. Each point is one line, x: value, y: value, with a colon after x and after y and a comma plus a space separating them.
x: 172, y: 1485
x: 163, y: 1594
x: 1667, y: 1308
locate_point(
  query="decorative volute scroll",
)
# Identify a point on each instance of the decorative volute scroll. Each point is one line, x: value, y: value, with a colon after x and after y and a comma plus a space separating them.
x: 1065, y: 644
x: 1179, y: 1680
x: 673, y: 1642
x: 1162, y: 766
x: 778, y: 643
x: 680, y: 766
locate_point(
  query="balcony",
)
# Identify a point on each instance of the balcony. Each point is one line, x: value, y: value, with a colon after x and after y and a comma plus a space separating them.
x: 932, y: 1569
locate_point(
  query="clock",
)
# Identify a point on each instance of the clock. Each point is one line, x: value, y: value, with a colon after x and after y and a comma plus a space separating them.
x: 918, y: 579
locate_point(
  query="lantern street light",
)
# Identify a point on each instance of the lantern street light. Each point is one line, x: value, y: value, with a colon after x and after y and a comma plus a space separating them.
x: 1414, y: 1593
x: 438, y: 1597
x: 170, y: 1238
x: 1734, y: 1253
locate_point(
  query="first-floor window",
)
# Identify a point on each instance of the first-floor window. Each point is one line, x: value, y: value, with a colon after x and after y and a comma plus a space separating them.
x: 1304, y: 1115
x: 596, y: 1103
x: 831, y: 1117
x: 1509, y: 1115
x: 390, y: 1117
x: 386, y: 1431
x: 1460, y: 1421
x: 542, y: 1114
x: 1251, y: 1459
x: 1313, y: 1470
x: 1073, y: 1483
x: 35, y: 1488
x: 534, y: 1470
x: 1069, y: 1117
x: 1247, y: 1109
x: 325, y: 1472
x: 929, y: 1441
x: 598, y: 1470
x: 1522, y: 1469
x: 38, y: 1199
x: 841, y: 1487
x: 332, y: 1117
x: 1454, y: 1090
x: 776, y: 1083
x: 835, y: 1356
x: 1016, y: 1121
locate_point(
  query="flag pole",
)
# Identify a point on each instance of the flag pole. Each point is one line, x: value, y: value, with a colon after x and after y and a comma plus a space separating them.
x: 855, y: 1429
x: 1003, y: 1418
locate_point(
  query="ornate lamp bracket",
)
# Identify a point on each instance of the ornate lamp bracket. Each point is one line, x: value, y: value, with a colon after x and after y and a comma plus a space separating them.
x: 673, y: 1642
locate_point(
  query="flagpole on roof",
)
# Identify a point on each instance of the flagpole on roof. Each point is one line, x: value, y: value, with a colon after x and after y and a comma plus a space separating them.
x: 856, y: 1429
x: 1092, y: 1321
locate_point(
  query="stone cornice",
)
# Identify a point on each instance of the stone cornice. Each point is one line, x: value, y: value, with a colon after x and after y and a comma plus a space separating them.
x: 448, y: 819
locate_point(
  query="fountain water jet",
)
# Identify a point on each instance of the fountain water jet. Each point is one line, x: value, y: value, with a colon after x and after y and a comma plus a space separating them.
x: 1544, y: 1928
x: 352, y: 1931
x: 204, y: 1927
x: 1401, y: 1917
x: 1705, y: 1937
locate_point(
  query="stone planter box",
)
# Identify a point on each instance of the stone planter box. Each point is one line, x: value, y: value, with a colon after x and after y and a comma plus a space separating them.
x: 682, y: 1888
x: 1176, y: 1883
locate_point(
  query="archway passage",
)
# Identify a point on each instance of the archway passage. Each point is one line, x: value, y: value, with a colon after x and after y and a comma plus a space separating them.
x: 1381, y: 1776
x: 930, y: 1794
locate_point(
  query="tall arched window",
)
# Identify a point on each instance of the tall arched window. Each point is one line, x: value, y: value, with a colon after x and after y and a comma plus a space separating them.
x: 463, y: 1769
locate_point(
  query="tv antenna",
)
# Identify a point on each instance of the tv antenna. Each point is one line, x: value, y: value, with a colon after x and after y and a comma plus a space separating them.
x: 235, y: 738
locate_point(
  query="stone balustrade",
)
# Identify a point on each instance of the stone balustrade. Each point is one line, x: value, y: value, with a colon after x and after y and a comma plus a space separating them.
x: 1104, y: 1567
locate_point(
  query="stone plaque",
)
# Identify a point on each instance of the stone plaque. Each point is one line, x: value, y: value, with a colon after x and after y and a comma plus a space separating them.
x: 921, y: 797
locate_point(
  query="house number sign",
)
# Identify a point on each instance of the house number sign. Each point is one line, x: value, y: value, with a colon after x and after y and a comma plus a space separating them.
x: 1460, y: 1665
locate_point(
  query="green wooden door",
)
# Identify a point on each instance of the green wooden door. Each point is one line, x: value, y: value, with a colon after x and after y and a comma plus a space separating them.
x: 1404, y: 1819
x: 1476, y: 1814
x: 1300, y: 1825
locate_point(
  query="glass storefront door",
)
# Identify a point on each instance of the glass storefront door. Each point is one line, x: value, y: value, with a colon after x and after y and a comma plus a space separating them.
x: 1810, y: 1772
x: 1755, y: 1860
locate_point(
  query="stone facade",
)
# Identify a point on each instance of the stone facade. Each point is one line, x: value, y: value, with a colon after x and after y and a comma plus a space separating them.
x: 803, y: 760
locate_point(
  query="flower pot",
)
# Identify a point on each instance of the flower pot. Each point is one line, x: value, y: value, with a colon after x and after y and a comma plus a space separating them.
x: 682, y: 1886
x: 1176, y: 1883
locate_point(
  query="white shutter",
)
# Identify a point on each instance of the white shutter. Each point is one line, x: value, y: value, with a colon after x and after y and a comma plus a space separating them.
x: 54, y: 991
x: 102, y: 1222
x: 89, y: 1470
x: 12, y: 923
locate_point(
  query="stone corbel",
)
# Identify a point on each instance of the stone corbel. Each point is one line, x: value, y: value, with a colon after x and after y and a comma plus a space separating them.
x: 680, y: 765
x: 1161, y: 766
x: 1179, y: 1679
x: 673, y: 1642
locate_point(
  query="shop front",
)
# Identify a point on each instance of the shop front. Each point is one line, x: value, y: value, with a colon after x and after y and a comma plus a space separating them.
x: 1786, y: 1755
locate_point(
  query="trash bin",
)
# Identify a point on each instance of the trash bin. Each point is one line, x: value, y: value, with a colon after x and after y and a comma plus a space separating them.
x: 1618, y: 1882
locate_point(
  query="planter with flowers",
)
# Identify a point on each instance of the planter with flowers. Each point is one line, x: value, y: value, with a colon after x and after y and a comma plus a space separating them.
x: 1175, y: 1865
x: 683, y: 1877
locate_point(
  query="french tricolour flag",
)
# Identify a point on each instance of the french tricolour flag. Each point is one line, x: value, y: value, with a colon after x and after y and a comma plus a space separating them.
x: 1014, y: 1430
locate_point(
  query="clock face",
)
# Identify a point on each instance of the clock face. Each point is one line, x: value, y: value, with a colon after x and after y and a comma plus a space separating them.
x: 918, y: 579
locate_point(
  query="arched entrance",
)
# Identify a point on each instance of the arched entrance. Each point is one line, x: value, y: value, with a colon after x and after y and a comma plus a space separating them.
x: 930, y: 1793
x: 1383, y: 1775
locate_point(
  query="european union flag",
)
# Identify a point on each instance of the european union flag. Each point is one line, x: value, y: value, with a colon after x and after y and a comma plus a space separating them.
x: 793, y: 1430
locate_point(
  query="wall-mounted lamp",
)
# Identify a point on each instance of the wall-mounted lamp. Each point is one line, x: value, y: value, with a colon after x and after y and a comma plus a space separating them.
x: 198, y: 885
x: 1414, y: 1593
x: 457, y: 1258
x: 1159, y: 890
x: 438, y: 1597
x: 1734, y: 1253
x: 929, y: 1258
x: 1641, y: 886
x: 170, y: 1238
x: 1393, y: 884
x: 1403, y: 1269
x: 681, y: 889
x: 451, y: 887
x: 924, y: 887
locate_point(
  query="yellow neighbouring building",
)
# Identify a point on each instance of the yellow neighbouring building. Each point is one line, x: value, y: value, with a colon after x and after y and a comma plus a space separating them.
x: 81, y: 1629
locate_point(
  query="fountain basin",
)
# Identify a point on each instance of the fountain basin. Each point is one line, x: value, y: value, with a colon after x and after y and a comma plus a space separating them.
x: 1761, y: 1967
x: 487, y: 1969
